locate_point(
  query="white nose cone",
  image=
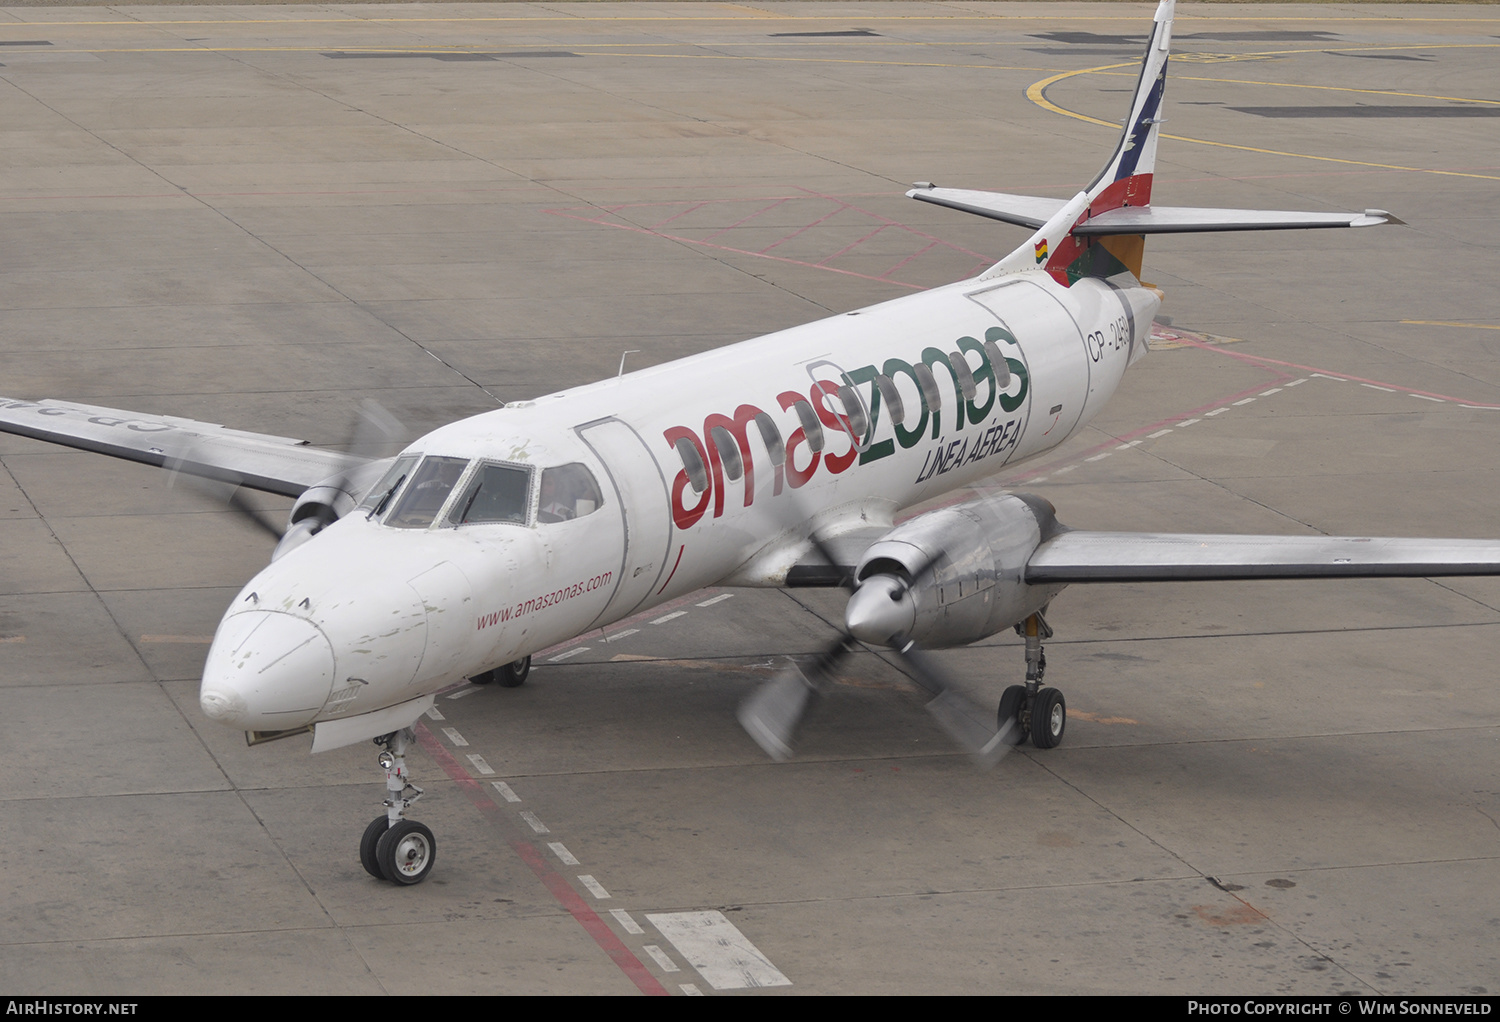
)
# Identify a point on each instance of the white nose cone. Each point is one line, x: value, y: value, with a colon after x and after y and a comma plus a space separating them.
x: 881, y: 612
x: 266, y: 671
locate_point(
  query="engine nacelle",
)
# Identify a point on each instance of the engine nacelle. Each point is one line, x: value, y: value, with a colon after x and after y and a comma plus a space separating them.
x: 952, y: 576
x: 321, y: 505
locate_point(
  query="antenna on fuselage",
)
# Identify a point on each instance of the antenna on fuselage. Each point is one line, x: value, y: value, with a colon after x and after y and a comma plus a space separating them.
x: 631, y: 351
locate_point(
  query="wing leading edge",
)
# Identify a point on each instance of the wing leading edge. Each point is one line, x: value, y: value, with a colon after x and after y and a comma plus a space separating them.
x: 1078, y: 557
x: 260, y: 461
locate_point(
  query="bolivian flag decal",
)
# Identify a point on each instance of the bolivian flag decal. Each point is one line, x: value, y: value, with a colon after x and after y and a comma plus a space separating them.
x: 1041, y: 251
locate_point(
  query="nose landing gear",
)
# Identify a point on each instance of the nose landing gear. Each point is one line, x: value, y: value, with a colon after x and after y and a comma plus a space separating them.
x: 392, y: 848
x: 1039, y: 712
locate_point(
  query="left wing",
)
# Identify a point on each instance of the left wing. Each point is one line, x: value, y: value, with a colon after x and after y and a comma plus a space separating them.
x: 1074, y: 557
x: 260, y: 461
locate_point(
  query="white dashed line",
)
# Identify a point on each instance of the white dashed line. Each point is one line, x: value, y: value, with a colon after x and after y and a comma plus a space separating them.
x: 1268, y: 393
x: 1129, y: 444
x: 717, y: 599
x: 1325, y: 376
x: 690, y: 990
x: 1246, y: 401
x: 563, y: 855
x: 669, y: 617
x: 1482, y: 408
x: 594, y: 886
x: 505, y: 791
x: 433, y: 713
x: 661, y: 958
x: 455, y: 737
x: 1099, y: 457
x: 1187, y: 422
x: 572, y: 652
x: 464, y: 692
x: 479, y: 764
x: 536, y: 825
x: 1216, y: 411
x: 623, y: 918
x: 1372, y: 386
x: 718, y: 950
x: 1296, y: 382
x: 1065, y: 468
x: 621, y: 635
x: 1424, y: 397
x: 1160, y: 432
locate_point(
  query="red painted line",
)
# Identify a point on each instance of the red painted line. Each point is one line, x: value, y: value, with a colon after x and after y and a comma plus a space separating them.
x: 557, y: 884
x: 853, y: 244
x: 746, y: 219
x: 919, y: 252
x: 805, y: 228
x: 674, y: 216
x: 1246, y: 357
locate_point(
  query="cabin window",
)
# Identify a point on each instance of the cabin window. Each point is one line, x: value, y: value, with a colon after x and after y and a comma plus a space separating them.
x: 496, y: 493
x: 963, y: 374
x: 811, y: 427
x: 568, y: 492
x: 999, y: 364
x: 427, y: 492
x: 895, y: 408
x: 729, y: 452
x: 929, y: 386
x: 854, y: 414
x: 692, y: 464
x: 771, y: 436
x: 380, y: 495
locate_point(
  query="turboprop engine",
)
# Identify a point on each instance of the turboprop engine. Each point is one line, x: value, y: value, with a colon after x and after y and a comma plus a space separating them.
x: 320, y: 506
x: 953, y: 576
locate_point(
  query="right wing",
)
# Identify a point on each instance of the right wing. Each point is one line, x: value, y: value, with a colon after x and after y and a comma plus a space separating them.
x: 1077, y: 557
x: 274, y: 464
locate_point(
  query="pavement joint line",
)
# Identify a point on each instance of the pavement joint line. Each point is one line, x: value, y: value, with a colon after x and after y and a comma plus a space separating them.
x: 506, y: 791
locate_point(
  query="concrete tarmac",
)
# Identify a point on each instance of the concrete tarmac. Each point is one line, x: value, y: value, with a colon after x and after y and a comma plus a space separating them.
x: 262, y: 215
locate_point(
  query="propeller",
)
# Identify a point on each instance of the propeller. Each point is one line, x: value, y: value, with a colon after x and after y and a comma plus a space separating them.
x: 374, y: 430
x: 772, y: 713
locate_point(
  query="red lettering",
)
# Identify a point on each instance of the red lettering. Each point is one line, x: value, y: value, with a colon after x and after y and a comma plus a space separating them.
x: 819, y: 395
x: 683, y: 516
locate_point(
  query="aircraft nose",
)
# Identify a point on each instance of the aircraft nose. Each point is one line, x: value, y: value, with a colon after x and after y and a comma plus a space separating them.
x: 880, y: 611
x: 266, y: 671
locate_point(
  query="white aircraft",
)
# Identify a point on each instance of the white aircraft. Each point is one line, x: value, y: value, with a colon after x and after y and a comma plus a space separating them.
x: 779, y: 461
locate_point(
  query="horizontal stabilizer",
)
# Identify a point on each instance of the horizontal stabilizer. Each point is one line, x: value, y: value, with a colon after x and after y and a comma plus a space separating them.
x: 260, y: 461
x: 1075, y: 557
x: 1034, y: 212
x: 1188, y: 219
x: 1022, y: 210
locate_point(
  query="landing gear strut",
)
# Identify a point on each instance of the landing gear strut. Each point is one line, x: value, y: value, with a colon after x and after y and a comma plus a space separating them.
x: 1030, y: 709
x: 512, y: 675
x: 392, y: 848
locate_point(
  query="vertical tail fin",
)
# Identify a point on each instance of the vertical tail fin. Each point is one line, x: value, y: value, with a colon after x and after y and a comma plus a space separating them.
x: 1124, y: 181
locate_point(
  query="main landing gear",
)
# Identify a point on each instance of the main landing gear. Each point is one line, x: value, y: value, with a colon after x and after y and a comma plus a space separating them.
x: 512, y: 675
x: 1030, y: 709
x: 392, y: 848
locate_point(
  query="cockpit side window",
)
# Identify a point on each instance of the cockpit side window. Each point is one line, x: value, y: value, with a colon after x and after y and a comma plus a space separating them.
x: 427, y: 492
x: 496, y: 493
x: 380, y: 495
x: 568, y: 491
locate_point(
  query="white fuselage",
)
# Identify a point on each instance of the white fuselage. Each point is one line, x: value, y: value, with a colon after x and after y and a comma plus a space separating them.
x: 368, y: 615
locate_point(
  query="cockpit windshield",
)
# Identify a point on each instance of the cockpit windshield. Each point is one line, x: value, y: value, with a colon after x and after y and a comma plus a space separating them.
x: 496, y: 493
x: 379, y: 497
x: 427, y: 492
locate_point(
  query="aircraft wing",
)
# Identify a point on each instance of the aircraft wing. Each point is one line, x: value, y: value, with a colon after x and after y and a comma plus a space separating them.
x: 1074, y: 557
x: 260, y: 461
